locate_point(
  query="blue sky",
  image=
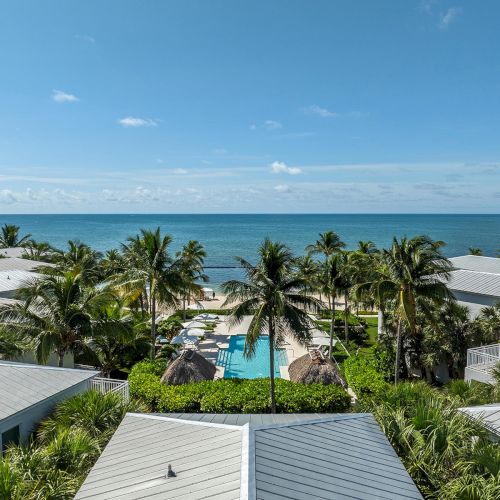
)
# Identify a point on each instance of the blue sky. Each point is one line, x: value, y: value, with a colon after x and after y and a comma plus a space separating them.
x: 262, y: 106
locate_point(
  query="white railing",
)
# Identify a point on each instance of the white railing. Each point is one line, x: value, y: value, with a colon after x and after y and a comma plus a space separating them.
x: 481, y: 361
x: 105, y: 385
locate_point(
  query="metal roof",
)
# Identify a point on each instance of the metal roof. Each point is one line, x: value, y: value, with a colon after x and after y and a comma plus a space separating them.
x: 12, y: 251
x: 16, y: 264
x: 477, y: 263
x: 475, y: 282
x: 12, y: 280
x: 488, y: 415
x: 268, y: 457
x: 24, y: 385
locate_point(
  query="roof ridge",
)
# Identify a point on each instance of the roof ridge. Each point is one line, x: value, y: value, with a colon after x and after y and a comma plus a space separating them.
x: 18, y: 364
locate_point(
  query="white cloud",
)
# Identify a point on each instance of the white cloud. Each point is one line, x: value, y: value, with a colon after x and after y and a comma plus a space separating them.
x: 314, y: 109
x: 280, y: 167
x: 60, y: 96
x: 448, y: 17
x: 282, y: 188
x: 267, y: 125
x: 131, y: 121
x: 180, y: 171
x: 219, y: 151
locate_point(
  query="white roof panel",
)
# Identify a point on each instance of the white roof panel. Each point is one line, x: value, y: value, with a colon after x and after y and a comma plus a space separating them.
x: 475, y: 282
x: 17, y: 264
x: 24, y: 385
x: 477, y: 263
x: 12, y: 280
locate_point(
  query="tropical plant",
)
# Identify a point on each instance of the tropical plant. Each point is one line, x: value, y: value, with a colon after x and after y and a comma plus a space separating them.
x: 78, y: 258
x: 366, y: 247
x: 475, y: 251
x: 327, y: 244
x: 412, y: 271
x: 152, y: 276
x: 40, y: 251
x: 276, y: 298
x: 10, y: 237
x: 56, y: 312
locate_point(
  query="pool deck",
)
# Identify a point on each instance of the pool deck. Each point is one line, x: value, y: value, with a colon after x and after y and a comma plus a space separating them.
x: 209, y: 347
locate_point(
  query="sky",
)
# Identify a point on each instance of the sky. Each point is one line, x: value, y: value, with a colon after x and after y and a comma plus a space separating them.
x: 231, y: 106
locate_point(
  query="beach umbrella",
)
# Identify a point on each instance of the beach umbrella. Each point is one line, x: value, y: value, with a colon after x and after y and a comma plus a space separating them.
x: 193, y: 324
x: 185, y: 339
x: 314, y: 368
x: 193, y: 332
x: 189, y: 367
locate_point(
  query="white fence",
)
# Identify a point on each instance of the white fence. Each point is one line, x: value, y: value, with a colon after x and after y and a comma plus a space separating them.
x: 105, y: 385
x: 481, y: 361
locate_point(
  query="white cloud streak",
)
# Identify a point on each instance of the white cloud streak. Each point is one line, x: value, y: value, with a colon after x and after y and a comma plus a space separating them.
x: 314, y: 109
x: 60, y: 96
x: 280, y: 167
x: 448, y: 17
x: 134, y: 122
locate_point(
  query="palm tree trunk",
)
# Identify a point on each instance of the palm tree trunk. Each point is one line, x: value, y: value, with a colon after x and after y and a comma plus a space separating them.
x: 153, y: 326
x: 346, y: 321
x: 271, y: 363
x: 60, y: 362
x: 398, y: 352
x: 332, y: 325
x: 184, y: 308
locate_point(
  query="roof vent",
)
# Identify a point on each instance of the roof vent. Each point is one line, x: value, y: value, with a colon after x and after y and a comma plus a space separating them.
x: 170, y: 472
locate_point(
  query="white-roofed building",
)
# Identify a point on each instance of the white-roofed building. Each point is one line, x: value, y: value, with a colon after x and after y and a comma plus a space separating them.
x: 28, y: 393
x: 230, y: 457
x: 475, y: 281
x: 486, y: 415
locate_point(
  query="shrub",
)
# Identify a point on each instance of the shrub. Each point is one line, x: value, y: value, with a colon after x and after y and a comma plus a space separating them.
x: 364, y: 378
x: 233, y: 395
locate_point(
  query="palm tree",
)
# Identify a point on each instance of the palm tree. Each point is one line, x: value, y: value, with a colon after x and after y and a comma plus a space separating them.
x: 191, y: 258
x: 475, y: 251
x: 80, y: 258
x: 152, y: 275
x: 41, y: 251
x: 328, y: 243
x: 366, y: 247
x: 56, y: 312
x: 411, y: 269
x: 10, y: 237
x: 276, y: 298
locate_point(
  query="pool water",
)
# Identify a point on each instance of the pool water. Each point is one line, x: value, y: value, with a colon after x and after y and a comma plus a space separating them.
x: 237, y: 366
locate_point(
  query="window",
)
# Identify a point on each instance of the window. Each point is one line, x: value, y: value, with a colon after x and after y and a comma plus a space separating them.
x: 10, y: 437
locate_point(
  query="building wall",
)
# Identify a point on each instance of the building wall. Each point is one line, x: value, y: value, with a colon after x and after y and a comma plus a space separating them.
x: 482, y: 300
x: 29, y: 418
x: 30, y: 358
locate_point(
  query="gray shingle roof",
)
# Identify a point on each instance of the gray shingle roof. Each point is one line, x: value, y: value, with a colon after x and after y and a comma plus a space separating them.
x: 475, y: 282
x: 12, y: 280
x: 488, y: 415
x: 477, y: 263
x: 23, y: 385
x: 268, y: 457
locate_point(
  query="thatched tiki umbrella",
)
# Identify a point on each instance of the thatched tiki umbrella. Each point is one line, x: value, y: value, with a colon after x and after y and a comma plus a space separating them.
x: 188, y: 367
x: 314, y: 368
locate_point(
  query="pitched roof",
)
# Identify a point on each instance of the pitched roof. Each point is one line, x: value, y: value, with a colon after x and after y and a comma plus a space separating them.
x: 488, y: 415
x: 17, y: 264
x: 12, y: 251
x: 475, y: 282
x: 24, y: 385
x: 12, y: 280
x: 257, y: 456
x: 477, y: 263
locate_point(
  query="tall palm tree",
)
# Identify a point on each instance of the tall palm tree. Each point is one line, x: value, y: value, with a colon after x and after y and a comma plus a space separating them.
x: 327, y: 244
x: 276, y: 298
x: 10, y: 237
x: 366, y: 247
x: 153, y: 276
x: 79, y: 258
x: 191, y: 258
x: 41, y: 251
x: 56, y: 311
x: 411, y: 269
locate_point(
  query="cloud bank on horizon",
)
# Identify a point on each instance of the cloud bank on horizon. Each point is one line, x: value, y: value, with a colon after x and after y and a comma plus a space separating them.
x: 346, y: 108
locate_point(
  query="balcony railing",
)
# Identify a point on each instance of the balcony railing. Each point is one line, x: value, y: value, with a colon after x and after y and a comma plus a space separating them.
x: 481, y: 361
x: 105, y: 385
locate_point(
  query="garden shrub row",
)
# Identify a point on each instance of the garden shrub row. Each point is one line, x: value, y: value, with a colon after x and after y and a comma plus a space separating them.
x: 232, y: 395
x: 364, y: 377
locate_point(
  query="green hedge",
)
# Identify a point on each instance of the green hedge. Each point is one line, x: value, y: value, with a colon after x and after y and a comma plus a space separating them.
x: 232, y: 395
x: 363, y: 376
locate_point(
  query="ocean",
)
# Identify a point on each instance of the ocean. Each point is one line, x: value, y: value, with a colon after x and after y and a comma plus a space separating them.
x: 227, y: 236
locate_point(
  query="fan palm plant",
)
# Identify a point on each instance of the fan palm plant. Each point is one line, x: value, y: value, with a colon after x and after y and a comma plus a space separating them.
x: 277, y: 299
x: 56, y: 312
x: 411, y: 269
x: 153, y: 276
x: 10, y: 237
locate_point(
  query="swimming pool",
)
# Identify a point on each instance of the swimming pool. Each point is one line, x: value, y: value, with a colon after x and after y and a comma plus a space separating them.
x: 237, y: 366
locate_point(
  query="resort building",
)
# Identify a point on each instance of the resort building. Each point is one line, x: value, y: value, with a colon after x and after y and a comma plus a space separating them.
x: 14, y: 273
x: 28, y: 393
x: 268, y: 457
x: 475, y: 281
x: 486, y: 415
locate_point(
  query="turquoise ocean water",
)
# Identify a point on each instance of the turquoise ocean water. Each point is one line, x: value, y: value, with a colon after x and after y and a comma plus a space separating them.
x: 226, y: 236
